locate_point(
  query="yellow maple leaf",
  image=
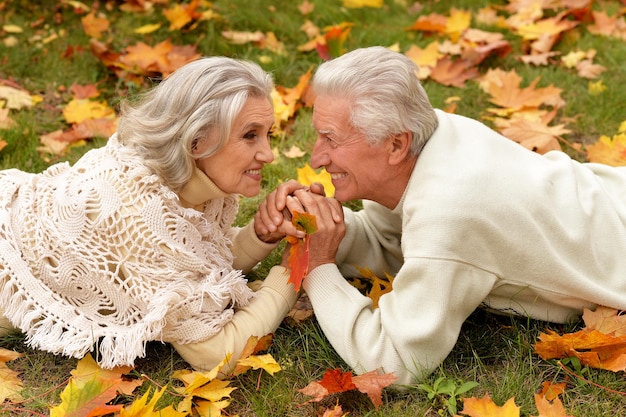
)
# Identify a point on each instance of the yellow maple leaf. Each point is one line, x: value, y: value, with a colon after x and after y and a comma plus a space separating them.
x: 265, y: 362
x: 79, y: 110
x: 457, y: 23
x: 355, y: 4
x: 194, y: 379
x: 609, y: 151
x: 426, y: 58
x: 87, y: 368
x: 10, y: 384
x: 375, y: 286
x: 215, y: 396
x: 141, y: 407
x: 307, y: 176
x: 178, y: 15
x: 485, y: 407
x: 596, y: 87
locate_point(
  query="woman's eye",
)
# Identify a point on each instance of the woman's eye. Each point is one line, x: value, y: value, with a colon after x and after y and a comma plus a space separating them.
x: 250, y: 135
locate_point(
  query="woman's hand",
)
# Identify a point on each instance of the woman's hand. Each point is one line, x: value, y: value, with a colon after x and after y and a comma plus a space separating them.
x: 272, y: 221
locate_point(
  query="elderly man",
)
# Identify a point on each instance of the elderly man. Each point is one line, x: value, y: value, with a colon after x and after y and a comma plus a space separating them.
x: 460, y: 215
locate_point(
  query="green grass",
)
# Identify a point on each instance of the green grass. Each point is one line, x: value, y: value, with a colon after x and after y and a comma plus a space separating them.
x: 496, y: 352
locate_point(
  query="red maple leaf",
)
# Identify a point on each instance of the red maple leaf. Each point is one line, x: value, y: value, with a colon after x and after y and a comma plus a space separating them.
x: 335, y: 380
x: 299, y: 252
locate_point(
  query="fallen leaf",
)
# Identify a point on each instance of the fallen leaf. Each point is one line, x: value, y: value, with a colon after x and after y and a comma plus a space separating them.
x: 94, y: 25
x: 605, y: 320
x: 10, y: 384
x: 335, y: 381
x: 593, y: 348
x: 551, y: 390
x: 485, y: 407
x: 608, y: 150
x: 14, y: 98
x: 354, y: 4
x: 293, y: 152
x: 453, y: 72
x: 6, y: 122
x: 265, y: 362
x: 548, y: 408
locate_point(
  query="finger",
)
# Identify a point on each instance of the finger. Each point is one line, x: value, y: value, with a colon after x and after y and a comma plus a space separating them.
x: 284, y: 190
x: 266, y: 218
x: 317, y: 188
x: 337, y: 211
x: 293, y: 205
x: 274, y: 208
x: 318, y: 205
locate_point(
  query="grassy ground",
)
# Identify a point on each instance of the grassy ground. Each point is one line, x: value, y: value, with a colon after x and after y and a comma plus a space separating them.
x: 496, y: 352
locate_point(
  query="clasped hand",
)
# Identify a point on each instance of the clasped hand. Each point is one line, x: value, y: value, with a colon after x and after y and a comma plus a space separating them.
x: 272, y: 222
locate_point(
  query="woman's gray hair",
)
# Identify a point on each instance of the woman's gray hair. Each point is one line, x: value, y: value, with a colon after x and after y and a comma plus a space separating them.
x: 387, y: 97
x: 169, y: 120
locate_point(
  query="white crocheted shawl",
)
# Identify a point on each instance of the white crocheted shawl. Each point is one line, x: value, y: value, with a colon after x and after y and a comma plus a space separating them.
x: 102, y: 253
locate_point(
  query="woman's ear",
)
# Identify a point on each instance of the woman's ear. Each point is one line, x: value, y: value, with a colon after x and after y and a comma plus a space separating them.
x: 399, y: 147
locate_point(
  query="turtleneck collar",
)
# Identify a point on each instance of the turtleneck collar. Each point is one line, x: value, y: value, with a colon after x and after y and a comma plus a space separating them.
x: 199, y: 190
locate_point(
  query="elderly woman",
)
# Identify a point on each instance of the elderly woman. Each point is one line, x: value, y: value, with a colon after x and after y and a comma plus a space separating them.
x: 135, y: 242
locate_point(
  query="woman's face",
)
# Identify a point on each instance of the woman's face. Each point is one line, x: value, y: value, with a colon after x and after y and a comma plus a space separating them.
x: 236, y: 168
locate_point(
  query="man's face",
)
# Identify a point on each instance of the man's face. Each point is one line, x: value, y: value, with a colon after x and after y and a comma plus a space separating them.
x: 341, y: 149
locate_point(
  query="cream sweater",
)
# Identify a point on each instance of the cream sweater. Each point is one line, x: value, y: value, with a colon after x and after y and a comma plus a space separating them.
x: 482, y: 222
x: 102, y: 254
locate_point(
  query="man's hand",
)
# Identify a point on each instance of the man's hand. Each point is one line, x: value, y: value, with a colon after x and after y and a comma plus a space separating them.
x: 272, y: 221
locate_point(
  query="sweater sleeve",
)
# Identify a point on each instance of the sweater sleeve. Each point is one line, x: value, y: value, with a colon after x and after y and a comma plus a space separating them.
x: 261, y: 316
x: 416, y: 324
x: 378, y: 241
x: 248, y: 249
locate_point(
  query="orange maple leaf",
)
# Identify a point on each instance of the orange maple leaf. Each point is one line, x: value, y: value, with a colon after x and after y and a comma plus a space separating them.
x: 94, y: 25
x: 454, y: 73
x: 485, y: 407
x: 504, y: 88
x: 549, y: 409
x: 334, y: 38
x: 179, y: 15
x: 299, y: 252
x: 533, y: 134
x: 592, y: 347
x: 434, y: 22
x: 551, y: 390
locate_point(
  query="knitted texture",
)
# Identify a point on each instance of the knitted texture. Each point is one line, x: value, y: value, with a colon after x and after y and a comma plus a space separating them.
x: 102, y: 255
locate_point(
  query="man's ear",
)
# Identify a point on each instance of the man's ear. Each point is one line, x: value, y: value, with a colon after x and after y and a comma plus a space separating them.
x: 399, y: 147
